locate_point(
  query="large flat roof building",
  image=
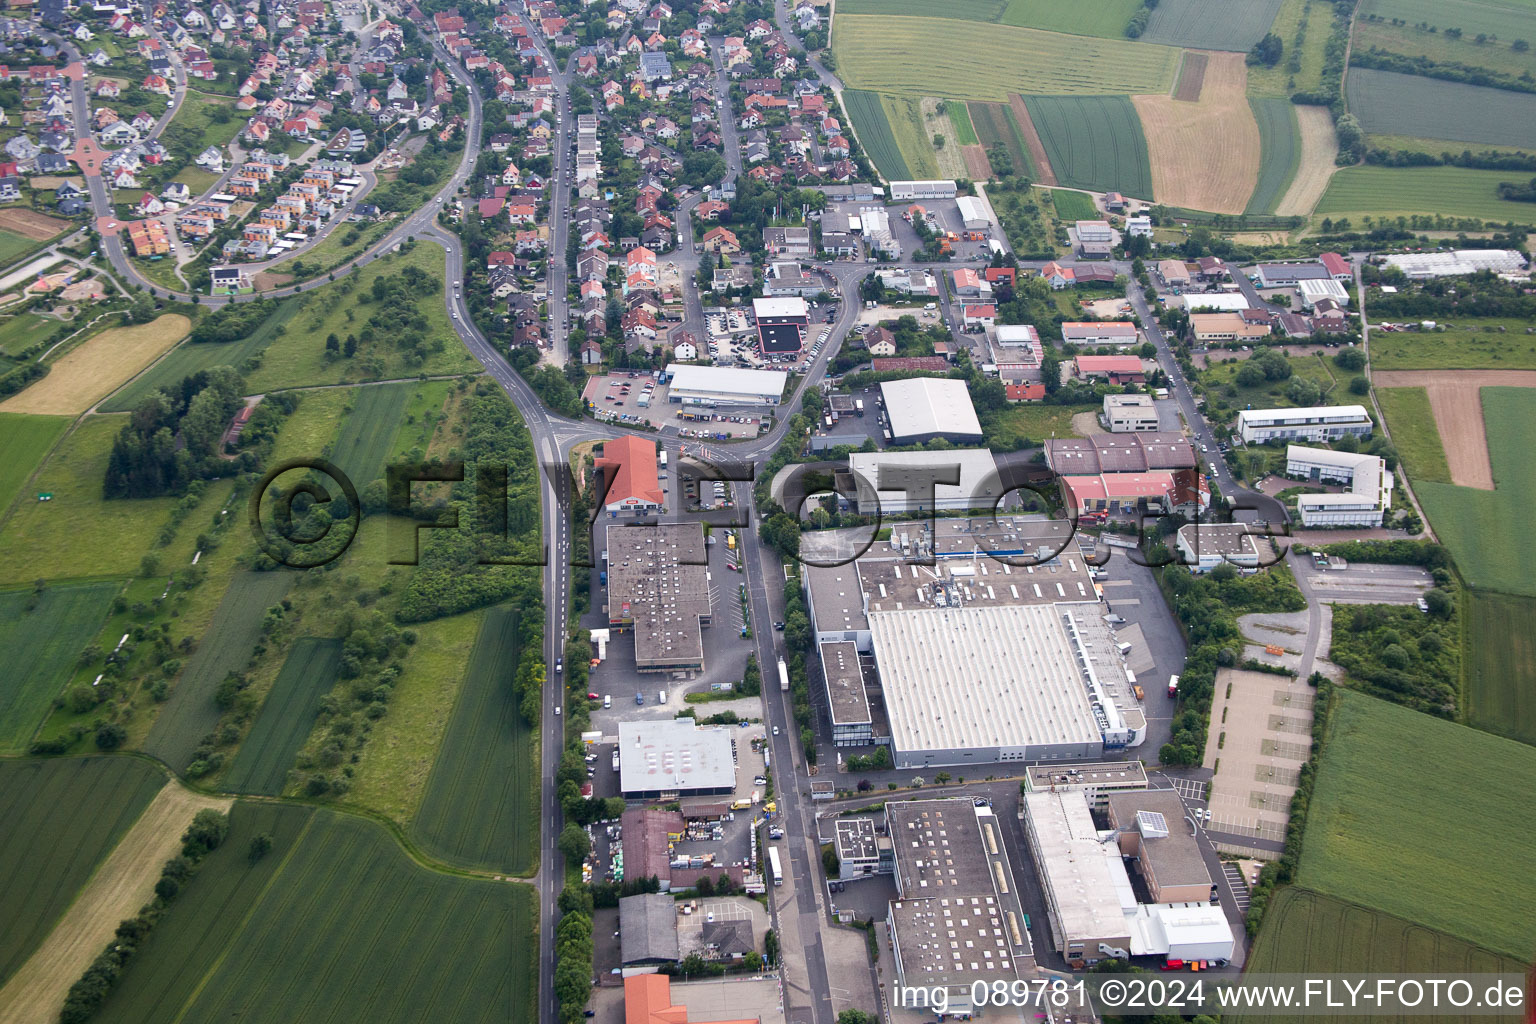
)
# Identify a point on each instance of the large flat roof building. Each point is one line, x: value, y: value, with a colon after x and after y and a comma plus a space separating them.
x: 893, y: 482
x: 1159, y: 839
x: 1423, y: 265
x: 923, y: 189
x: 724, y: 385
x: 674, y: 757
x: 1369, y: 481
x: 1309, y: 423
x: 658, y: 589
x: 1204, y: 546
x: 1081, y: 899
x: 924, y: 408
x: 847, y: 701
x: 1140, y: 452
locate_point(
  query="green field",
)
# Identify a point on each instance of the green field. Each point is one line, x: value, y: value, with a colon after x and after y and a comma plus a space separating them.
x: 1404, y: 191
x: 1503, y: 22
x: 960, y: 117
x: 368, y: 432
x: 1007, y: 429
x: 79, y: 533
x: 24, y: 442
x: 1073, y: 205
x: 1210, y: 24
x: 1280, y: 81
x: 197, y: 113
x: 1308, y: 933
x: 1106, y: 18
x: 13, y: 246
x: 962, y: 10
x: 1093, y: 142
x: 334, y: 925
x: 905, y: 116
x: 481, y: 806
x: 995, y: 126
x: 1483, y: 528
x: 874, y: 133
x: 39, y: 648
x: 58, y: 819
x: 1499, y: 666
x: 1409, y: 812
x: 1388, y: 103
x: 21, y: 330
x: 1280, y: 152
x: 1414, y: 434
x: 972, y: 61
x: 1476, y: 343
x: 1220, y: 380
x: 283, y: 725
x: 190, y: 713
x: 189, y: 357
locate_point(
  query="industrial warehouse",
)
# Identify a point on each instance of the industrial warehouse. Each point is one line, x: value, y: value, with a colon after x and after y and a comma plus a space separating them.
x: 712, y: 386
x: 972, y: 659
x: 659, y: 590
x: 926, y: 408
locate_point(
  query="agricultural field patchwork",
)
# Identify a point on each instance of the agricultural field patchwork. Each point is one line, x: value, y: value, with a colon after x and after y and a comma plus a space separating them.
x: 368, y: 432
x: 329, y: 926
x: 994, y: 127
x: 960, y: 117
x: 97, y: 367
x: 1203, y: 143
x: 1414, y: 433
x: 266, y: 753
x: 971, y: 61
x: 1501, y: 21
x: 905, y: 116
x: 24, y: 442
x: 1405, y: 191
x: 58, y: 819
x: 1210, y: 24
x: 482, y: 799
x: 1105, y: 18
x: 873, y: 129
x: 1306, y: 932
x: 1279, y: 152
x: 41, y: 637
x: 961, y: 10
x: 190, y: 713
x: 1499, y: 664
x: 1093, y: 142
x: 1388, y: 103
x: 1468, y: 786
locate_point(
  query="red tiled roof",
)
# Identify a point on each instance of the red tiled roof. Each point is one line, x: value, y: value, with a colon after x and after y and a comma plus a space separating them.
x: 633, y: 461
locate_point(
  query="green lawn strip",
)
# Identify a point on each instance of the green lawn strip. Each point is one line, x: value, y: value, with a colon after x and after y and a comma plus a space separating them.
x: 873, y: 130
x: 24, y: 442
x: 58, y: 820
x: 190, y: 713
x: 1433, y: 874
x: 482, y: 798
x: 1408, y: 191
x: 1072, y: 206
x: 1499, y: 665
x: 961, y: 119
x: 1280, y: 152
x: 1414, y: 433
x: 41, y: 636
x: 266, y: 753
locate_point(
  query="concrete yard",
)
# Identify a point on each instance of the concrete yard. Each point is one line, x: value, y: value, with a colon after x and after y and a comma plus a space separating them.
x: 1260, y: 736
x: 1369, y: 583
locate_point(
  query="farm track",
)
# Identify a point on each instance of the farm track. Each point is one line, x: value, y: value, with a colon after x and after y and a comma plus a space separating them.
x: 1032, y: 141
x: 1455, y: 398
x: 124, y: 883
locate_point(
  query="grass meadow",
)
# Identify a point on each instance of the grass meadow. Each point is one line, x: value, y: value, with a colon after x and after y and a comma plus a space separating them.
x: 24, y: 442
x: 13, y: 245
x: 190, y: 713
x: 874, y: 132
x: 1279, y: 81
x: 1008, y: 427
x: 58, y: 819
x: 1388, y: 103
x: 1280, y: 152
x: 1220, y: 378
x: 41, y: 636
x: 1405, y: 191
x: 1210, y: 24
x: 482, y: 800
x: 973, y: 61
x: 1484, y: 529
x: 1503, y: 21
x: 1093, y: 142
x: 905, y: 116
x: 1499, y: 664
x: 266, y: 753
x: 1474, y: 343
x: 960, y: 117
x: 334, y: 924
x: 1305, y: 932
x: 367, y: 434
x: 1106, y: 18
x: 1414, y: 434
x: 1408, y: 813
x: 21, y: 330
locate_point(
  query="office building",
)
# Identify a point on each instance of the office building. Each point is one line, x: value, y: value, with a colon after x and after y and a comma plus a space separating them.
x: 1129, y: 414
x: 1311, y: 423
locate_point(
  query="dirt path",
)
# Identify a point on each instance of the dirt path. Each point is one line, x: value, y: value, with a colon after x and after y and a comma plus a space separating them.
x: 1455, y: 399
x: 1319, y: 146
x: 1204, y: 154
x: 124, y: 883
x: 1032, y: 140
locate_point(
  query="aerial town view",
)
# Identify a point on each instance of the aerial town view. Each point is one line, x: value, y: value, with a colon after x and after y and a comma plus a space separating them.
x: 767, y: 511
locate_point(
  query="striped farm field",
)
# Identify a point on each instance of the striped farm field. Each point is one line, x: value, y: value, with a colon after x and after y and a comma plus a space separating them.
x: 1405, y: 191
x: 1280, y: 151
x: 369, y: 430
x: 93, y: 370
x: 961, y: 10
x: 1204, y: 151
x: 1211, y: 24
x: 1106, y: 18
x: 905, y: 116
x: 58, y: 820
x: 334, y: 924
x: 189, y: 713
x: 1093, y: 142
x: 1499, y: 664
x: 266, y: 754
x: 995, y: 127
x: 481, y: 806
x: 24, y: 442
x: 961, y: 119
x: 1388, y: 103
x: 971, y: 61
x: 874, y: 133
x: 41, y: 637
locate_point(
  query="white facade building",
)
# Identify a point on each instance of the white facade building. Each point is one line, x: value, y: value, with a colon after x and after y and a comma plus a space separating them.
x: 902, y: 191
x: 1309, y: 423
x: 1129, y: 414
x: 1367, y: 477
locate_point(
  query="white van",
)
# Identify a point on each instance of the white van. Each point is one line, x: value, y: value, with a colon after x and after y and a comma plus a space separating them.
x: 661, y: 698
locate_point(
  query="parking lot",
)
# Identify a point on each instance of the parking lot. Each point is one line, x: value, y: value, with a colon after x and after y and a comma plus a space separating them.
x: 636, y: 397
x: 1366, y: 583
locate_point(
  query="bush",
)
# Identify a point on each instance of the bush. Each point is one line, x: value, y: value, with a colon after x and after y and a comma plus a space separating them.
x: 110, y: 736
